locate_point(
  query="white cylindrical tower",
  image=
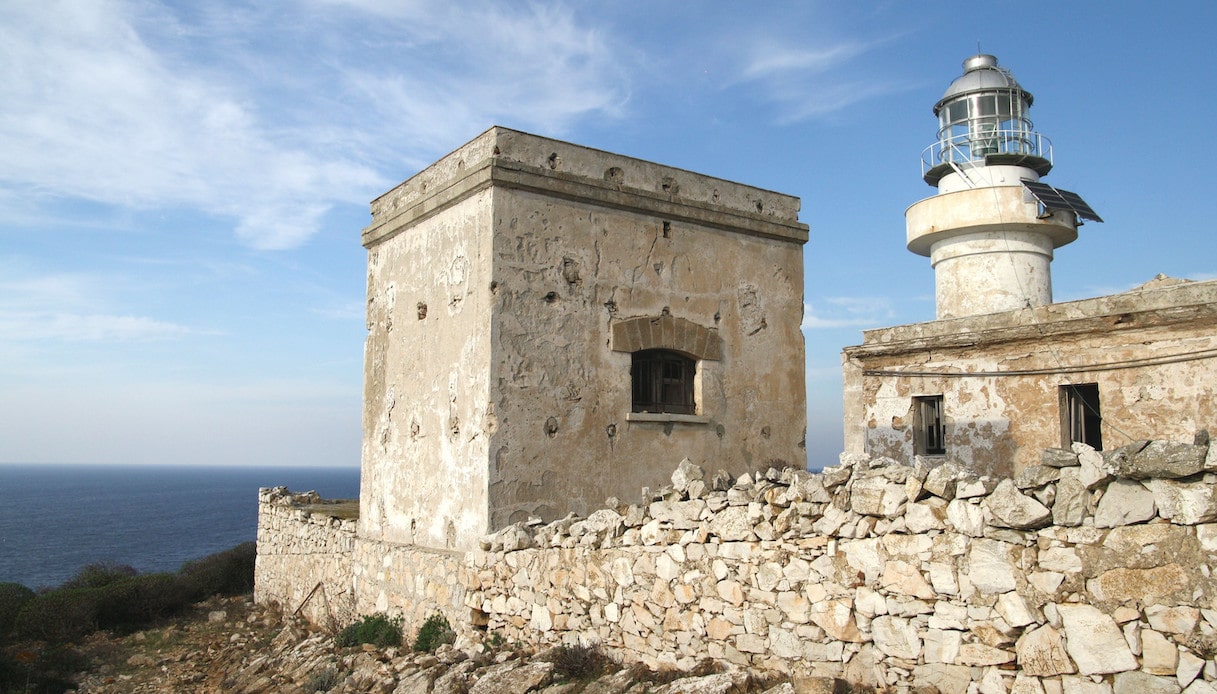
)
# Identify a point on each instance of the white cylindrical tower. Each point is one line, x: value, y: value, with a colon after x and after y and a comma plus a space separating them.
x: 989, y: 240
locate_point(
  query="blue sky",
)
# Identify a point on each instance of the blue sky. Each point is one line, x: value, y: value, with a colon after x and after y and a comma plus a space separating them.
x: 182, y: 185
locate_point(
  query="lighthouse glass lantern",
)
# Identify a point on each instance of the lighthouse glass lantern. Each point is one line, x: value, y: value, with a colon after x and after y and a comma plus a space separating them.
x: 983, y: 121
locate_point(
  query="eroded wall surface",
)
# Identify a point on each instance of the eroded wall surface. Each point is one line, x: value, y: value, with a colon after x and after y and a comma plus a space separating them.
x: 1152, y: 353
x: 428, y: 415
x: 567, y: 273
x: 493, y: 388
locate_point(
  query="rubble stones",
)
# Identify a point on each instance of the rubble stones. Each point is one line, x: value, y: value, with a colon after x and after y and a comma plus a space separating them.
x: 1084, y: 573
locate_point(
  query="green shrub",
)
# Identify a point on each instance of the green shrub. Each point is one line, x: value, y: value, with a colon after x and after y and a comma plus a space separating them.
x: 59, y: 616
x: 230, y: 572
x: 578, y: 663
x: 377, y: 629
x: 99, y: 574
x: 12, y: 597
x: 433, y: 633
x: 114, y: 597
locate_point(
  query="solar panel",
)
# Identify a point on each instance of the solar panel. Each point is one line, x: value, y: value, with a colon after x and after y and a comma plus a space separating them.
x: 1057, y: 199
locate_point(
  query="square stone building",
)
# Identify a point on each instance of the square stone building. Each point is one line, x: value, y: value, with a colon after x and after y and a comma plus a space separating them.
x: 550, y: 325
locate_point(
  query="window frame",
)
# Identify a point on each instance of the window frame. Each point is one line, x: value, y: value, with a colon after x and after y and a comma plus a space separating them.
x: 1081, y: 415
x: 929, y: 433
x: 662, y: 382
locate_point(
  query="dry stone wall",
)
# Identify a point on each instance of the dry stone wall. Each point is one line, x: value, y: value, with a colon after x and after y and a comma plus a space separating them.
x: 1087, y: 573
x: 304, y: 557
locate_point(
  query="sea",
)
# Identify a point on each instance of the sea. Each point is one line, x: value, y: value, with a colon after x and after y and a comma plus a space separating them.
x: 57, y: 519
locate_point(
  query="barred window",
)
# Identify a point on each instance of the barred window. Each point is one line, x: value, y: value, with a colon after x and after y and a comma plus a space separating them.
x: 930, y: 434
x: 663, y: 381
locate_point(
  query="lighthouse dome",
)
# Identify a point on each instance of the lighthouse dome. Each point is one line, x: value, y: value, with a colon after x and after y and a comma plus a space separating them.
x: 982, y: 73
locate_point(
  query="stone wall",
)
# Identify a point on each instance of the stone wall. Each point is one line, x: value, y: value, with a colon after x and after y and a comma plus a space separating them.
x: 1086, y: 573
x: 304, y: 557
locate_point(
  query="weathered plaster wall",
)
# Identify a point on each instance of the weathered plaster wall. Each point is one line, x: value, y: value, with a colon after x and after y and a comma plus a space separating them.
x: 1152, y: 352
x: 565, y: 273
x: 492, y: 389
x: 428, y: 416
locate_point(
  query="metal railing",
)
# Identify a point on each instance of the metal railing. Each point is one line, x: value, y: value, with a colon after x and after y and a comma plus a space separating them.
x: 976, y: 147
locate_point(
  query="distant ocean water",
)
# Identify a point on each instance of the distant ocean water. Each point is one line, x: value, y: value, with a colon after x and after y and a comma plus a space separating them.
x: 55, y: 519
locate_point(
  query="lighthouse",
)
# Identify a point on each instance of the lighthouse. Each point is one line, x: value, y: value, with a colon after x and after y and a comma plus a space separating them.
x: 991, y: 229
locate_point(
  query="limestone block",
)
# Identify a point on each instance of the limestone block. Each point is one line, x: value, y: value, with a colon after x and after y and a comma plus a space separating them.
x: 1184, y: 503
x: 1041, y: 652
x: 1014, y: 609
x: 982, y: 655
x: 947, y: 679
x: 869, y: 603
x: 1173, y: 620
x: 1061, y: 559
x: 970, y: 486
x: 1069, y: 507
x: 680, y: 515
x: 896, y: 637
x: 1143, y: 683
x: 903, y: 578
x: 966, y: 518
x: 1013, y: 509
x: 867, y: 556
x: 686, y: 473
x: 1156, y: 459
x: 1189, y: 668
x: 1159, y: 656
x: 1123, y: 503
x: 1058, y: 458
x: 941, y: 480
x: 992, y: 682
x: 989, y: 566
x: 1201, y: 687
x: 795, y: 606
x: 876, y: 496
x: 1145, y: 585
x: 1092, y: 471
x: 513, y: 678
x: 1094, y: 641
x: 836, y: 618
x: 732, y: 524
x: 721, y: 683
x: 1036, y: 476
x: 1073, y: 684
x: 1024, y: 684
x: 942, y: 577
x: 942, y: 645
x: 923, y: 516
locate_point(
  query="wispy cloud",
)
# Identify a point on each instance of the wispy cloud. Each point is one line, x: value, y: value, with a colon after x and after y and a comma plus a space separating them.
x: 847, y: 312
x: 66, y: 308
x: 810, y: 77
x: 140, y: 106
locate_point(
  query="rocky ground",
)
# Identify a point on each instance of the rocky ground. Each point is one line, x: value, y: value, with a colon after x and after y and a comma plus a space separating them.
x: 230, y: 646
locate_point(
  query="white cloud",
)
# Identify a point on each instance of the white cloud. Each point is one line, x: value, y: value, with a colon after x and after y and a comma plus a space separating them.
x: 810, y: 78
x: 140, y: 106
x: 847, y: 312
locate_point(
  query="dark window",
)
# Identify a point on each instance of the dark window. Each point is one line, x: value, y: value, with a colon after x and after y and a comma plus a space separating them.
x: 930, y: 435
x: 1080, y: 417
x: 663, y: 381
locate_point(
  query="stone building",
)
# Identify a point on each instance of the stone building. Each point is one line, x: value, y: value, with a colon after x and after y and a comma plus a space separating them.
x: 1003, y: 372
x: 548, y: 322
